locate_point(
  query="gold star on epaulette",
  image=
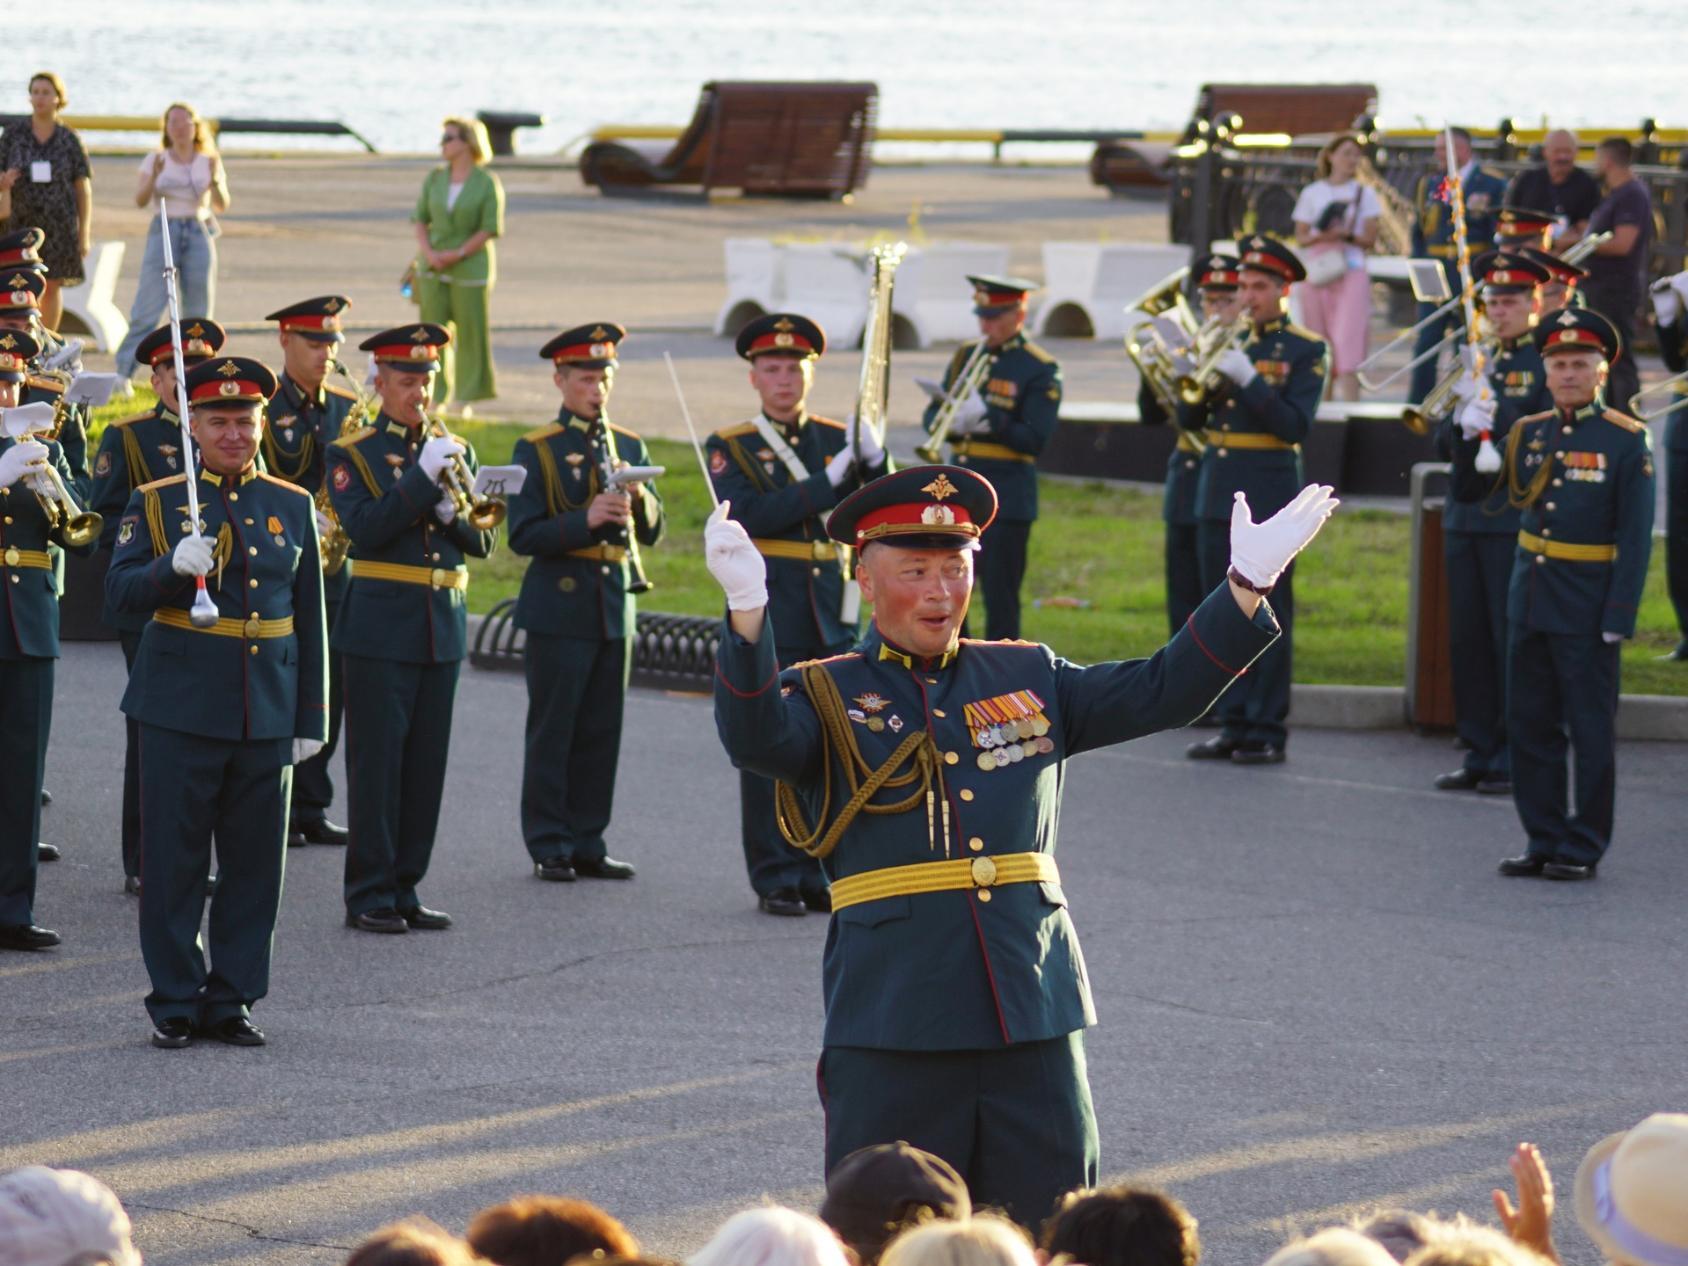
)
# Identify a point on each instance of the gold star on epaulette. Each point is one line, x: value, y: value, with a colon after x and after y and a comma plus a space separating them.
x: 229, y: 369
x: 940, y: 488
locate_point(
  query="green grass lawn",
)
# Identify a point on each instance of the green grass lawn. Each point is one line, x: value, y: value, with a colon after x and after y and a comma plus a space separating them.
x: 1102, y: 545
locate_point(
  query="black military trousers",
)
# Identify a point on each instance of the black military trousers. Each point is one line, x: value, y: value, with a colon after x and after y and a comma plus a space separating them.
x: 131, y: 837
x: 999, y: 569
x: 1479, y: 568
x: 576, y: 692
x: 1184, y: 589
x: 198, y: 793
x: 1256, y: 706
x: 398, y: 735
x: 1017, y: 1122
x: 313, y: 787
x: 1676, y: 533
x: 1560, y: 684
x: 772, y: 864
x: 26, y: 717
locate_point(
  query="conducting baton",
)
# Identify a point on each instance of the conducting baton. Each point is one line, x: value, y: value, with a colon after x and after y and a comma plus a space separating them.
x: 691, y: 430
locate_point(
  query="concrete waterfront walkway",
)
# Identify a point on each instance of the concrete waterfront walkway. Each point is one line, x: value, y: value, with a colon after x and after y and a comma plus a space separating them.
x: 1315, y: 995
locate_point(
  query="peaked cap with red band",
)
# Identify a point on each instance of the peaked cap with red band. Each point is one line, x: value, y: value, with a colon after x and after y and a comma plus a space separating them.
x: 1578, y: 330
x: 586, y: 346
x: 17, y: 349
x: 781, y: 334
x: 1265, y: 255
x: 1219, y: 272
x: 21, y: 248
x: 317, y: 319
x: 411, y: 347
x: 22, y: 288
x: 230, y: 380
x: 992, y: 295
x: 921, y: 507
x: 202, y: 338
x: 1508, y: 272
x: 1565, y: 273
x: 1516, y: 226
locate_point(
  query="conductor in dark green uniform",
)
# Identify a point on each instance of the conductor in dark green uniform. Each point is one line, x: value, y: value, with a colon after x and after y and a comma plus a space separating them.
x: 402, y: 629
x: 306, y: 416
x: 1583, y: 476
x: 1257, y: 412
x: 1670, y: 297
x: 577, y: 605
x: 1000, y: 432
x: 225, y: 710
x: 955, y: 991
x: 29, y: 650
x: 783, y: 471
x: 135, y: 451
x: 1479, y: 527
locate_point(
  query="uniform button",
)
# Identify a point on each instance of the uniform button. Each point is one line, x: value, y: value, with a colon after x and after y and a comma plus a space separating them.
x: 950, y: 758
x: 1549, y: 506
x: 1223, y: 453
x: 1547, y: 531
x: 939, y: 712
x: 8, y: 519
x: 605, y: 570
x: 252, y: 550
x: 433, y: 558
x: 248, y: 522
x: 234, y: 496
x: 1541, y: 558
x: 966, y: 793
x: 976, y: 844
x: 252, y: 584
x: 1560, y: 453
x: 815, y: 570
x: 254, y: 650
x: 984, y: 895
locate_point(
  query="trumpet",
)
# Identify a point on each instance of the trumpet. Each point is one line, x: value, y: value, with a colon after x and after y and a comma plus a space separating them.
x: 1675, y: 387
x: 79, y: 527
x: 1202, y: 383
x: 1580, y: 250
x: 1440, y: 400
x: 459, y: 483
x: 967, y: 382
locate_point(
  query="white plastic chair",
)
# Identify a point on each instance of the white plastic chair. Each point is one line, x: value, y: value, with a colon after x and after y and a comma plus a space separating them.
x: 90, y: 304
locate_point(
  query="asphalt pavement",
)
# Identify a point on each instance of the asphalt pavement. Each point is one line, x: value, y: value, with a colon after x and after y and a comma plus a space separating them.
x: 1315, y: 996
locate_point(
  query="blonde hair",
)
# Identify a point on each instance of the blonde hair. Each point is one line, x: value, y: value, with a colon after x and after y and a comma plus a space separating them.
x: 1334, y: 1246
x: 58, y: 85
x: 474, y: 136
x: 202, y: 140
x: 983, y: 1240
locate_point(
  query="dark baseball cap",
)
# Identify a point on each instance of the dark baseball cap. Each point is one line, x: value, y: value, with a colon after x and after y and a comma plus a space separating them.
x: 876, y: 1191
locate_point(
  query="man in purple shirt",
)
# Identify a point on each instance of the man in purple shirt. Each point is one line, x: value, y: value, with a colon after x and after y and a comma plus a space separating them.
x: 1617, y: 272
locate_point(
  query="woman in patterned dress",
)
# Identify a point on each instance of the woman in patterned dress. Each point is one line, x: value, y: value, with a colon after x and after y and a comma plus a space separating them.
x: 51, y: 187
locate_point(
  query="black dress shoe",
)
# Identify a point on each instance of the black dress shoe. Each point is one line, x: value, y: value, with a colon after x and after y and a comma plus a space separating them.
x: 1206, y: 721
x: 172, y: 1034
x: 322, y: 831
x: 385, y: 919
x: 1216, y: 748
x: 1258, y: 754
x: 295, y: 838
x: 555, y: 869
x: 47, y: 853
x: 131, y: 885
x: 818, y: 899
x: 1564, y: 871
x: 46, y: 797
x: 1525, y: 864
x: 604, y: 868
x: 1680, y: 654
x: 26, y: 936
x: 236, y: 1030
x: 426, y: 920
x: 1495, y: 785
x: 787, y: 902
x: 1459, y: 780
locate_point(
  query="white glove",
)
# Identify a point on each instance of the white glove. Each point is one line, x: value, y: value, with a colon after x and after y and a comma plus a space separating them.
x: 16, y: 460
x: 1667, y: 305
x: 872, y: 450
x: 1475, y: 417
x: 1234, y: 363
x: 970, y: 415
x: 734, y: 562
x: 324, y: 524
x: 1261, y: 551
x: 193, y: 556
x: 304, y: 749
x: 838, y: 469
x: 1611, y: 638
x: 445, y: 509
x: 1470, y: 385
x: 40, y: 483
x: 437, y: 454
x: 1679, y: 283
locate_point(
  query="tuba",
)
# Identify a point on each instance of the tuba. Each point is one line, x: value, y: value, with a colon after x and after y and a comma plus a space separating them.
x: 874, y: 389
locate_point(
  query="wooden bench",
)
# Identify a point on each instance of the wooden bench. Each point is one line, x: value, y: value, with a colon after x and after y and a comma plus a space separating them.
x: 790, y: 139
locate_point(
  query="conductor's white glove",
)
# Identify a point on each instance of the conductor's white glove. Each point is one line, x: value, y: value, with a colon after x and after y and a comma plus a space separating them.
x: 437, y: 454
x: 1679, y: 284
x: 838, y: 469
x: 324, y: 524
x: 16, y: 460
x: 193, y: 556
x: 1261, y: 551
x: 1610, y: 638
x: 304, y: 749
x: 1667, y: 305
x: 970, y: 415
x: 734, y: 562
x: 445, y: 509
x: 1234, y: 363
x: 1476, y: 416
x: 873, y: 452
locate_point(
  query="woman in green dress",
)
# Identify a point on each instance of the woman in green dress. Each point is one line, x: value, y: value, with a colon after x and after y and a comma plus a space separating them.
x: 460, y: 211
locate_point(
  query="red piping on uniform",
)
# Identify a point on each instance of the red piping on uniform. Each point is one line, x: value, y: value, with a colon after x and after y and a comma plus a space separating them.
x: 1190, y: 624
x: 746, y: 694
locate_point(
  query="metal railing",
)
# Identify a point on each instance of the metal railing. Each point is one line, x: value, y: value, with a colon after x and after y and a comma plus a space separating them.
x: 670, y: 652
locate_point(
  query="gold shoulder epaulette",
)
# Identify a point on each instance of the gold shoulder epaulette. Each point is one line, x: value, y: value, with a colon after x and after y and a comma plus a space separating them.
x: 139, y: 417
x: 362, y: 433
x: 1001, y: 641
x: 1493, y: 171
x: 1624, y: 420
x: 830, y: 659
x: 733, y: 432
x: 281, y: 483
x: 621, y: 430
x: 543, y: 432
x: 45, y: 384
x: 1301, y: 331
x: 162, y: 483
x: 1039, y: 353
x: 815, y: 417
x: 335, y: 390
x: 1534, y: 417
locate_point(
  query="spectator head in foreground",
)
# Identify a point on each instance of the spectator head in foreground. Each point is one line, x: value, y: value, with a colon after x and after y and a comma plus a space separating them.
x: 771, y: 1237
x: 1335, y: 1246
x: 1631, y: 1193
x: 1461, y: 1242
x: 1122, y: 1226
x: 985, y: 1240
x: 547, y: 1231
x: 62, y: 1217
x: 413, y: 1242
x: 877, y: 1192
x: 1401, y: 1232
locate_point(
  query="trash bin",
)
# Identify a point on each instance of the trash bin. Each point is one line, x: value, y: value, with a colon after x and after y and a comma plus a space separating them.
x: 1430, y: 688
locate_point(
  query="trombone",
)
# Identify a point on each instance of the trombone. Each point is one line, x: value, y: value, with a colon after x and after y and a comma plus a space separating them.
x: 1440, y: 400
x: 1202, y: 383
x: 1675, y: 387
x: 79, y: 527
x: 459, y: 483
x: 1406, y: 338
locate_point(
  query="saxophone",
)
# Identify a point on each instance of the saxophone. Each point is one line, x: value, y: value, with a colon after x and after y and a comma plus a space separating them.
x: 335, y: 543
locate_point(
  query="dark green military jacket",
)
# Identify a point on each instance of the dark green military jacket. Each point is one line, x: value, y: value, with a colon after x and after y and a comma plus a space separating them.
x: 1477, y: 502
x: 1597, y: 490
x: 262, y: 673
x: 385, y: 503
x: 1271, y: 416
x: 1023, y: 403
x: 30, y: 627
x: 963, y: 970
x: 1673, y: 347
x: 804, y: 593
x: 572, y: 588
x: 295, y: 445
x: 133, y: 452
x: 1183, y: 463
